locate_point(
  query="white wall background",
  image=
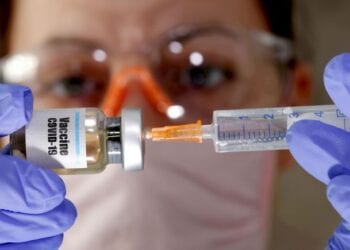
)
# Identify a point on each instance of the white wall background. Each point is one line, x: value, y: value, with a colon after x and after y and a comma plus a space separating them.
x: 325, y: 25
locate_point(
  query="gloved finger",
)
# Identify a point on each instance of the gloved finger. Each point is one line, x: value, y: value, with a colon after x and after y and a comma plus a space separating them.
x: 27, y: 188
x: 338, y: 193
x: 337, y: 81
x: 322, y: 150
x: 341, y: 237
x: 16, y: 107
x: 50, y: 243
x: 19, y: 227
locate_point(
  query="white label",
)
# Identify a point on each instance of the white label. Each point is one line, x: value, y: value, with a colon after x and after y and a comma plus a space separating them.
x: 55, y: 138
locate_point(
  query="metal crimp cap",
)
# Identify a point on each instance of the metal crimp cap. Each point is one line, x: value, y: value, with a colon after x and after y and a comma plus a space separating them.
x: 132, y: 139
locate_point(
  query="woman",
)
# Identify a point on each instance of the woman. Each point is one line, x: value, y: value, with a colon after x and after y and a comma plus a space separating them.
x: 204, y: 55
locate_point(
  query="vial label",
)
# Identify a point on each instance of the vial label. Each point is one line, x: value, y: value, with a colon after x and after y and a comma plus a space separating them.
x: 55, y: 138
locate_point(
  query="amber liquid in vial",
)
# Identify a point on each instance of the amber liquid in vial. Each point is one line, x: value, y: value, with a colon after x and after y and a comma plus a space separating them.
x: 107, y: 140
x: 96, y: 144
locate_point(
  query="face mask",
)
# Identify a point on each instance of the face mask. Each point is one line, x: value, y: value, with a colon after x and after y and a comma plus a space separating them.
x: 188, y: 197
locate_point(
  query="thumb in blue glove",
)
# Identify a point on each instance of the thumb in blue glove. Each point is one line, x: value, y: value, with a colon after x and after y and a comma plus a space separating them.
x: 16, y: 107
x: 338, y: 193
x: 33, y: 211
x: 324, y: 151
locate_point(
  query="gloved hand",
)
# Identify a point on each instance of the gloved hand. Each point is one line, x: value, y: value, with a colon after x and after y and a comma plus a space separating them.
x: 33, y: 211
x: 324, y: 151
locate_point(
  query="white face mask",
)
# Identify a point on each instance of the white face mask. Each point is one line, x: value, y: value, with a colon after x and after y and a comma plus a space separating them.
x: 188, y: 197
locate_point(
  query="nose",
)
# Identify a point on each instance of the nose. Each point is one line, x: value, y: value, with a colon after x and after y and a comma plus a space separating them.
x: 144, y: 90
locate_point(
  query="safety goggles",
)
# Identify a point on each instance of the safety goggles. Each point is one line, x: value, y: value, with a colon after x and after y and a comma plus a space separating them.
x: 188, y: 72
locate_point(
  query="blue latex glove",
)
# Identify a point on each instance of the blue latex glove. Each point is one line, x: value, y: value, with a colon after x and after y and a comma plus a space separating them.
x: 324, y: 151
x: 33, y: 211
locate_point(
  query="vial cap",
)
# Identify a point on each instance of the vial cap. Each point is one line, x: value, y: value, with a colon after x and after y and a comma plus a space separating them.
x: 132, y: 139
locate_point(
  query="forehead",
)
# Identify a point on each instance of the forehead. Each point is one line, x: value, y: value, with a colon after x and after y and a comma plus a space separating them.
x: 123, y: 22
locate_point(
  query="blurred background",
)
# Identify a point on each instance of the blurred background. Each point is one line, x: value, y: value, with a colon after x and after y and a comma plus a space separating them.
x: 303, y: 218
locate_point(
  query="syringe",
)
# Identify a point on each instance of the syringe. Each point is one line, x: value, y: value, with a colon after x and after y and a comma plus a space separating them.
x: 250, y: 129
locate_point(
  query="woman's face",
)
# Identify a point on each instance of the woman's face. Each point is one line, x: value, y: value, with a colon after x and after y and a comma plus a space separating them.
x: 81, y: 43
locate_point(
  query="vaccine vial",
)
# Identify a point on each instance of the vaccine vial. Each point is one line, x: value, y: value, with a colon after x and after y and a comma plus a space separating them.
x: 81, y: 140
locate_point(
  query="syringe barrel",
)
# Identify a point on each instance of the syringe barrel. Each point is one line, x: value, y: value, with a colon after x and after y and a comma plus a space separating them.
x: 266, y: 128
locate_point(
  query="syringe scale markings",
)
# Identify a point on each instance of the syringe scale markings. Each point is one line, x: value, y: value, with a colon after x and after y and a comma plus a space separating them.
x: 251, y: 135
x: 266, y: 128
x: 256, y: 129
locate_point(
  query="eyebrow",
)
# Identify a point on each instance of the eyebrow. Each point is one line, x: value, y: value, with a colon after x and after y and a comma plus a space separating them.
x: 184, y: 31
x: 81, y: 42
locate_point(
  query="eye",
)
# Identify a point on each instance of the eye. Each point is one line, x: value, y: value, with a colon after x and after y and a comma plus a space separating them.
x: 205, y: 76
x: 82, y: 80
x: 75, y: 85
x: 179, y: 74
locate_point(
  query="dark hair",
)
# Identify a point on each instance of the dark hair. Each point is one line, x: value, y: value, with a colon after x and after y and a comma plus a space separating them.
x: 279, y: 16
x: 277, y: 12
x: 5, y: 12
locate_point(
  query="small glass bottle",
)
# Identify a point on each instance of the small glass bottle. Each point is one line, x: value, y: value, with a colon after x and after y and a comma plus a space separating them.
x: 81, y: 140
